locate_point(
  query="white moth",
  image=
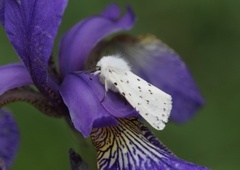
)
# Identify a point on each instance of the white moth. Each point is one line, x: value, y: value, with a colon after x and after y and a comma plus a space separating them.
x: 153, y: 104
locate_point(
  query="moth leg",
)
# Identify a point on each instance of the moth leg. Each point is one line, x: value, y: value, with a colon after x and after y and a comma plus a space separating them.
x: 105, y: 94
x: 103, y: 98
x: 106, y: 89
x: 106, y: 86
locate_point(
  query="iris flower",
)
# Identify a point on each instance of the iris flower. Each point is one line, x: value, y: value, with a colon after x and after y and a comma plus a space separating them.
x: 122, y: 142
x: 9, y: 139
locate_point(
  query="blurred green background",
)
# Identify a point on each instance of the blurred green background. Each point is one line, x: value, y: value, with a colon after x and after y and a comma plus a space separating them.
x: 206, y: 34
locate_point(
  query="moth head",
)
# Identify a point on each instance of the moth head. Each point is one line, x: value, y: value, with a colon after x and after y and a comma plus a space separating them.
x: 114, y: 62
x: 98, y: 68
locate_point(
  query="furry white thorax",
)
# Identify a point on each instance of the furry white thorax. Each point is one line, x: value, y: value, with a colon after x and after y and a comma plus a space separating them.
x: 107, y: 63
x: 115, y: 62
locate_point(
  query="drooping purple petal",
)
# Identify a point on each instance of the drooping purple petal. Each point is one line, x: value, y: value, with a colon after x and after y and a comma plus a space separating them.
x: 9, y: 137
x: 78, y: 42
x: 31, y: 26
x: 12, y: 76
x: 153, y: 139
x: 131, y: 149
x: 161, y: 66
x: 170, y: 160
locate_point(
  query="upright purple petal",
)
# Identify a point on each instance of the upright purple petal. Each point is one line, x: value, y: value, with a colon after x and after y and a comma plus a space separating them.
x: 78, y: 42
x: 158, y: 64
x: 9, y: 137
x: 31, y: 26
x: 12, y: 76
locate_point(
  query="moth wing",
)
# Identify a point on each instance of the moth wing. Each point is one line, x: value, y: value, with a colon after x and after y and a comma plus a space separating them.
x: 153, y: 104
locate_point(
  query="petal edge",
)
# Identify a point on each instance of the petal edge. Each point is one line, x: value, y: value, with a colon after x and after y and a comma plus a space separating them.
x: 12, y: 76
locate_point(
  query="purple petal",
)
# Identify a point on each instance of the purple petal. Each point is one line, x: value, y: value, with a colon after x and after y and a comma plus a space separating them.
x: 31, y: 26
x: 89, y: 105
x: 12, y: 76
x: 113, y: 102
x: 170, y: 161
x: 153, y: 139
x: 78, y: 42
x: 9, y: 137
x: 126, y: 146
x: 161, y: 66
x: 112, y: 12
x: 85, y: 109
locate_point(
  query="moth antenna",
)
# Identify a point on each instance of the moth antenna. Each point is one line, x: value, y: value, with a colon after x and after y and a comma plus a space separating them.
x: 88, y: 71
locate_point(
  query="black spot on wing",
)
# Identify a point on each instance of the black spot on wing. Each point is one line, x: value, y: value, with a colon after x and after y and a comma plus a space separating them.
x: 150, y: 91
